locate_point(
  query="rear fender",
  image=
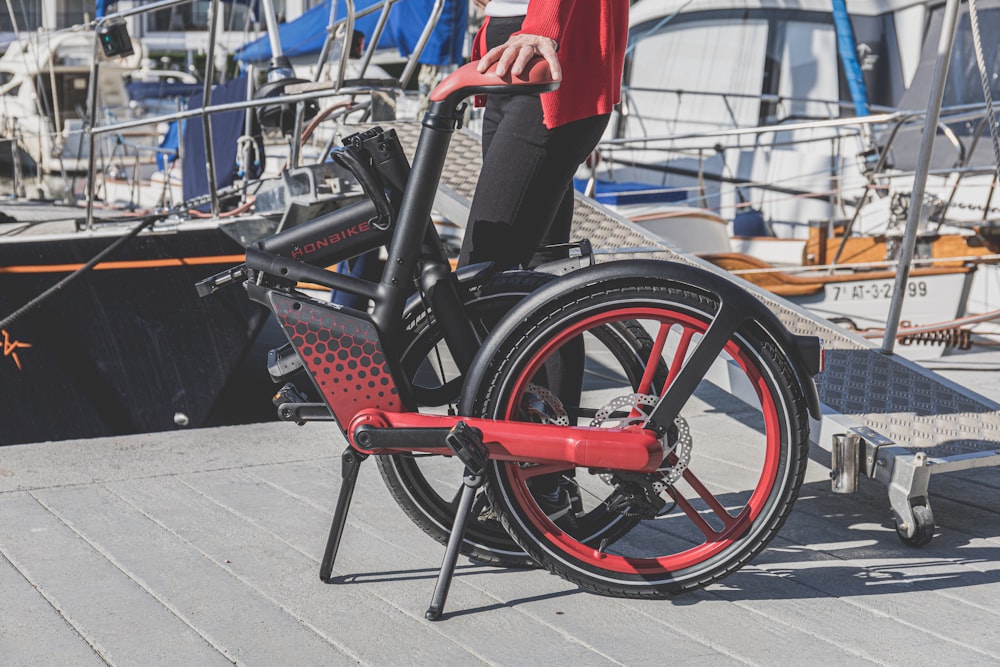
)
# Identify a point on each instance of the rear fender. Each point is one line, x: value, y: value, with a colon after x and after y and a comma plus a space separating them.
x: 803, y: 352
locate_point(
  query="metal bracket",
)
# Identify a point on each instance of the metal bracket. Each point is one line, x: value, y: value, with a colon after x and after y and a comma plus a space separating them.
x: 852, y: 452
x: 906, y: 475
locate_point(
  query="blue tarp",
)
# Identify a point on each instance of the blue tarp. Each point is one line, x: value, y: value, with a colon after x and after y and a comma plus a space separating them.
x: 144, y: 90
x: 305, y: 35
x: 171, y: 142
x: 619, y: 193
x: 227, y: 127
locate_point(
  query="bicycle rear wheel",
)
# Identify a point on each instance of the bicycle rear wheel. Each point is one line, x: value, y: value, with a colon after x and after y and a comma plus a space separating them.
x: 736, y: 455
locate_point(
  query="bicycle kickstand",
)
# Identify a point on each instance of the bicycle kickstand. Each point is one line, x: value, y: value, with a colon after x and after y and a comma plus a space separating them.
x: 467, y: 443
x: 350, y: 465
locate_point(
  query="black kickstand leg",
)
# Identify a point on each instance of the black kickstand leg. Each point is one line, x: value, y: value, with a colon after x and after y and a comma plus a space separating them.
x: 467, y: 443
x: 350, y: 465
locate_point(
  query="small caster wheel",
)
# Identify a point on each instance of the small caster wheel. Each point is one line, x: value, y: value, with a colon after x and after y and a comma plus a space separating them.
x: 923, y: 530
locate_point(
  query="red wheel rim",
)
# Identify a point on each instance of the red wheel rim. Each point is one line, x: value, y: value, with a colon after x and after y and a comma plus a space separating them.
x: 716, y: 541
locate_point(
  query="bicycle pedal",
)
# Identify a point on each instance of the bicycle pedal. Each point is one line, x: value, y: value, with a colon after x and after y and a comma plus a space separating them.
x: 288, y: 394
x: 282, y: 362
x: 213, y: 284
x: 467, y: 443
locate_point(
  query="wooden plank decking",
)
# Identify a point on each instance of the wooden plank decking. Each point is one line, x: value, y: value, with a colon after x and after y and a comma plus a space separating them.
x: 202, y: 547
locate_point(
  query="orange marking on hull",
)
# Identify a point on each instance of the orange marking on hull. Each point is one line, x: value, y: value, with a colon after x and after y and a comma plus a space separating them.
x: 125, y: 265
x: 10, y: 348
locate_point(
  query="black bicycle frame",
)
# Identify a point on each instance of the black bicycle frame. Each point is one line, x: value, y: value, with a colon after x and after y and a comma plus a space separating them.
x: 396, y: 212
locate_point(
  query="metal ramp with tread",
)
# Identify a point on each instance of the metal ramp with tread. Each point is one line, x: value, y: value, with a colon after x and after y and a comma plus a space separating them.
x: 884, y: 416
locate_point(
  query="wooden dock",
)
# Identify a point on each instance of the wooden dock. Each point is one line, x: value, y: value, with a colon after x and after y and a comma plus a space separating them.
x: 202, y: 547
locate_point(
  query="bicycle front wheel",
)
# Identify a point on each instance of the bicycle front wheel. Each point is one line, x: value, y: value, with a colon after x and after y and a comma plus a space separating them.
x: 427, y: 488
x: 736, y: 455
x: 424, y: 486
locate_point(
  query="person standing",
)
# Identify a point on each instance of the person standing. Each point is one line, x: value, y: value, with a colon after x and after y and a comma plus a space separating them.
x: 533, y: 145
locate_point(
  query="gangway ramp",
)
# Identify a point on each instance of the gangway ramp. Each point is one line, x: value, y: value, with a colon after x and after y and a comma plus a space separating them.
x: 884, y: 416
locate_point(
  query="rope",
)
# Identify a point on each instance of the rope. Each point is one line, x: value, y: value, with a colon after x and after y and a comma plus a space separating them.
x: 59, y: 286
x: 246, y: 146
x: 984, y: 80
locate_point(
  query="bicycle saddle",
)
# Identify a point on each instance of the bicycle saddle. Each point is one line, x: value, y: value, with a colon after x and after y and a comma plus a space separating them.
x: 467, y: 80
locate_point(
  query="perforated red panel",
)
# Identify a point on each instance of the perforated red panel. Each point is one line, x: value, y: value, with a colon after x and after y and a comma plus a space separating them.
x: 344, y: 355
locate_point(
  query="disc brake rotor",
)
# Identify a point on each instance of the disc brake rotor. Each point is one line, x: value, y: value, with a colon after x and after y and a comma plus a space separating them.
x: 639, y: 407
x: 543, y: 406
x: 638, y: 411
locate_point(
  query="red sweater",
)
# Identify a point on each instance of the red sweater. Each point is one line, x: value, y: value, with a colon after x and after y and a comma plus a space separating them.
x: 592, y: 35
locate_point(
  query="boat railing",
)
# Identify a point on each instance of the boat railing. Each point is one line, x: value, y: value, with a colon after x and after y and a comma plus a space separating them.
x: 876, y: 133
x: 298, y: 95
x: 728, y: 101
x: 882, y: 117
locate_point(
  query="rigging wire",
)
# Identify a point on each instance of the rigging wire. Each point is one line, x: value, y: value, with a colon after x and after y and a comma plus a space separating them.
x: 984, y: 80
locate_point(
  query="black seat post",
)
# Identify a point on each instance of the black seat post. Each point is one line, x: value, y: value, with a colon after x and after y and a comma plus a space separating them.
x: 439, y: 125
x: 440, y: 122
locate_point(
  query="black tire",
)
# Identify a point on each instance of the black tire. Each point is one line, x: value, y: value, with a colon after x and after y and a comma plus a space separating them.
x: 923, y: 529
x: 735, y: 463
x: 427, y: 488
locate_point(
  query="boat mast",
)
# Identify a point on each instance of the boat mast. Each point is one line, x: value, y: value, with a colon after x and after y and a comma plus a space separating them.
x: 945, y: 44
x: 848, y: 47
x: 206, y: 96
x: 271, y: 25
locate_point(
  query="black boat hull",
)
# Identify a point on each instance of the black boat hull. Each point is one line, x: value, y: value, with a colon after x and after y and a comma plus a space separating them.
x: 129, y: 346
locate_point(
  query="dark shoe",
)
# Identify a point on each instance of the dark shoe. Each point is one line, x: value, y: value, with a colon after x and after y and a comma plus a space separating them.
x: 558, y: 506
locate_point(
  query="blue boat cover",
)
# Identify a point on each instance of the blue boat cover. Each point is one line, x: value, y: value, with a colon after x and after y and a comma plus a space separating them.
x: 142, y: 90
x: 305, y: 35
x: 227, y: 128
x: 619, y: 193
x: 170, y: 142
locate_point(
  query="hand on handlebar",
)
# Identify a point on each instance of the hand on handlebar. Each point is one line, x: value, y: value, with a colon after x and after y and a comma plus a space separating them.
x: 515, y: 54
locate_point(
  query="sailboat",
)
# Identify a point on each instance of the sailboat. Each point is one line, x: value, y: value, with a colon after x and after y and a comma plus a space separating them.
x: 102, y: 331
x: 44, y: 85
x: 798, y: 138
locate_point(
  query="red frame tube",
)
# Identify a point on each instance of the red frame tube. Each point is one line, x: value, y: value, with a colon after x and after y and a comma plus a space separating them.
x: 630, y: 448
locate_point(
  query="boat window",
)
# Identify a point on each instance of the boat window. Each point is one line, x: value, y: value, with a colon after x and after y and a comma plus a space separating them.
x: 27, y: 14
x: 697, y: 76
x: 964, y: 83
x: 808, y: 83
x: 73, y: 12
x: 711, y: 70
x: 879, y: 57
x: 194, y: 16
x: 70, y: 91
